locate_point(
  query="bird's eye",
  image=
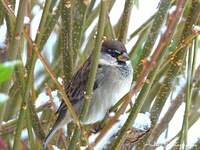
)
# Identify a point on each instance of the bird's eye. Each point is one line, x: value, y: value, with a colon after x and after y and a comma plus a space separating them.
x: 114, y: 52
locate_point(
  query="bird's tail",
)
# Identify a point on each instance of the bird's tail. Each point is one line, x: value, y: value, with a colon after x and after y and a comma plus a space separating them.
x: 49, y: 136
x: 60, y: 121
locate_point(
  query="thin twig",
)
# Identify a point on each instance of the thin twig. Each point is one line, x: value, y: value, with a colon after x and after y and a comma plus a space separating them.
x: 125, y: 20
x: 67, y: 40
x: 62, y: 91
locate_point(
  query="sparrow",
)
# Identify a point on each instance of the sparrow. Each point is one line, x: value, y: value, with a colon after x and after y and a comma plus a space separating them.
x: 113, y: 80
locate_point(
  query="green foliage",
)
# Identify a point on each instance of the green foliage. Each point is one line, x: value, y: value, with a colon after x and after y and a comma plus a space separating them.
x: 6, y: 70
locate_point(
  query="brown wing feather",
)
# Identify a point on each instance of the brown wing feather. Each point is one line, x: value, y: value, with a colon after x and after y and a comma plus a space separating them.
x: 77, y: 86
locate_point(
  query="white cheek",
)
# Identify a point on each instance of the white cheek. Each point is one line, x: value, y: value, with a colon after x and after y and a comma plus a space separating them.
x: 106, y: 59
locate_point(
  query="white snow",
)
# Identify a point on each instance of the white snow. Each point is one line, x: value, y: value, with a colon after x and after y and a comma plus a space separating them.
x: 111, y: 114
x: 55, y: 147
x: 3, y: 98
x: 172, y: 9
x: 24, y: 134
x: 11, y: 63
x: 3, y: 30
x: 60, y: 80
x: 56, y: 98
x: 142, y: 122
x: 41, y: 99
x: 196, y: 28
x: 36, y: 9
x: 163, y: 29
x: 2, y: 45
x: 44, y: 98
x: 26, y: 20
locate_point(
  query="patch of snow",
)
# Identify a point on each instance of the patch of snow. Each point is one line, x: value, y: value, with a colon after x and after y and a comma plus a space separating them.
x: 41, y: 99
x: 111, y: 114
x: 2, y: 45
x: 163, y: 29
x: 106, y: 139
x: 12, y: 63
x: 3, y: 30
x: 44, y: 98
x: 142, y: 121
x: 24, y: 134
x: 56, y: 98
x: 10, y: 6
x: 172, y: 9
x: 60, y: 80
x: 3, y: 122
x: 93, y: 137
x: 55, y: 147
x: 3, y: 98
x: 35, y: 10
x: 41, y: 2
x: 196, y: 28
x: 26, y: 20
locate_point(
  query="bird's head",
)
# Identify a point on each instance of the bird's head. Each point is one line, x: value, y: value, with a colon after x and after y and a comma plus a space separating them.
x: 113, y: 52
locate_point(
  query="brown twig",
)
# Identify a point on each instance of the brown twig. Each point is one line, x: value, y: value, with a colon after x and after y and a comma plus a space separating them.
x: 48, y: 69
x: 167, y: 117
x: 64, y: 96
x: 9, y: 126
x: 125, y: 20
x: 48, y: 92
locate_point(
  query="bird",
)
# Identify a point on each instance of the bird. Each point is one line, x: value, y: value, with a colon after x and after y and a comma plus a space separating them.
x: 113, y: 80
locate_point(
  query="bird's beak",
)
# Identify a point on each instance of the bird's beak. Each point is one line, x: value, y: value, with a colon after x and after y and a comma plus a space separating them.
x: 123, y: 57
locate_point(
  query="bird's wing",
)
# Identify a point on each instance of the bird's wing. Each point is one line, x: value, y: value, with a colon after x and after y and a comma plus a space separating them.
x: 99, y: 77
x: 77, y: 87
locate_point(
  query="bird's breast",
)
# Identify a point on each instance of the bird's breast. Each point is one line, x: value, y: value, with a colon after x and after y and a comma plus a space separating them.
x: 112, y: 89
